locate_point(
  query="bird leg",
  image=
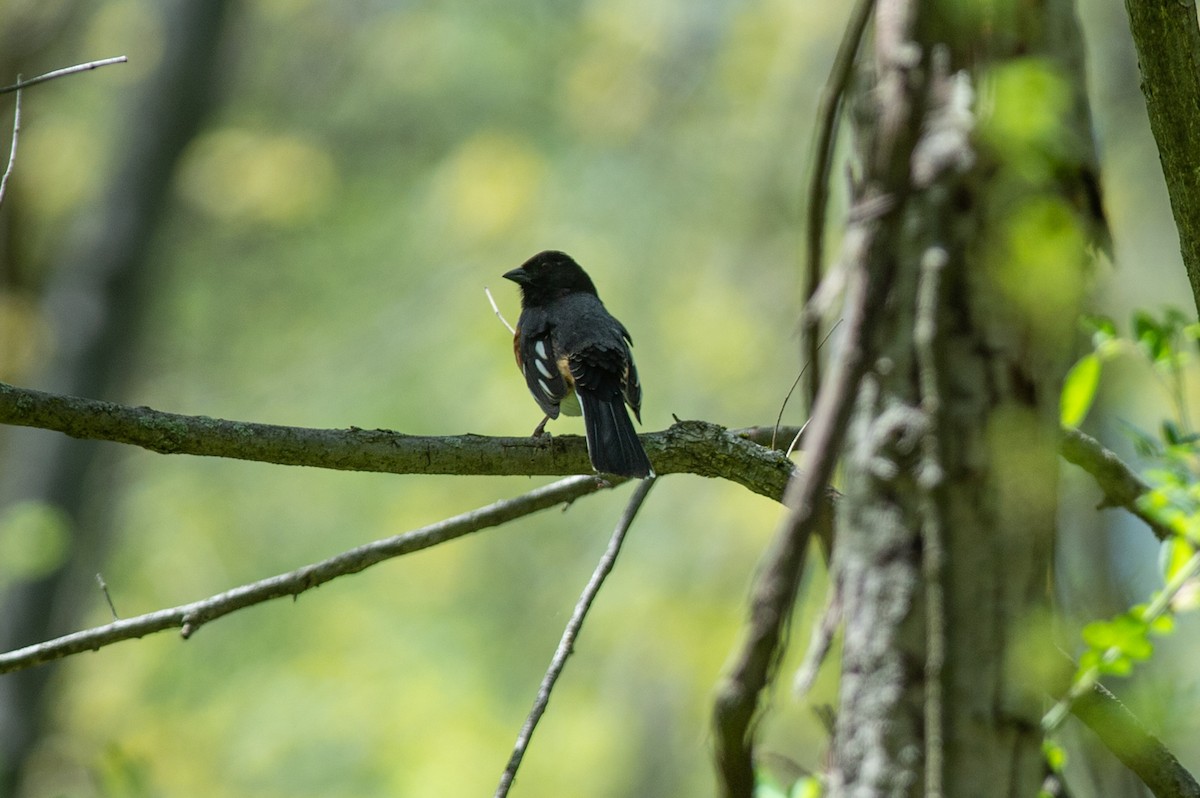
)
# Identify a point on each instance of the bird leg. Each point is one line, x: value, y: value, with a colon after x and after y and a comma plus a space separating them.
x: 537, y: 433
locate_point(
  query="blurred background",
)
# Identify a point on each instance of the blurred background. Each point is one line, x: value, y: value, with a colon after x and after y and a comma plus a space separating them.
x: 287, y: 212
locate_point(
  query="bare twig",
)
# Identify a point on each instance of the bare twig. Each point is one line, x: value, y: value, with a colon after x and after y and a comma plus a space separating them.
x: 496, y: 310
x: 107, y: 598
x: 775, y: 588
x: 62, y: 73
x: 828, y: 112
x: 190, y: 617
x: 868, y: 269
x: 820, y: 642
x: 12, y: 153
x: 567, y: 643
x: 796, y: 439
x: 795, y: 383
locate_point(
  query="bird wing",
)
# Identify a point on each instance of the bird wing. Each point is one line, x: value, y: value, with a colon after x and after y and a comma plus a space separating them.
x: 535, y: 356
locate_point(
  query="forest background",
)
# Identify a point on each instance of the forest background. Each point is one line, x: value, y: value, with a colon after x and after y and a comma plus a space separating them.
x: 363, y: 172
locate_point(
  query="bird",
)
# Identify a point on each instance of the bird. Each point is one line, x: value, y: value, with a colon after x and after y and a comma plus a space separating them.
x: 575, y: 358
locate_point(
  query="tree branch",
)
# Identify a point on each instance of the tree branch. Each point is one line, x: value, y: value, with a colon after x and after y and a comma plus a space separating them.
x: 1121, y: 485
x: 1167, y: 39
x: 62, y: 73
x: 1137, y: 748
x: 190, y: 617
x: 693, y: 447
x: 828, y: 113
x: 567, y: 643
x: 868, y: 266
x: 774, y: 592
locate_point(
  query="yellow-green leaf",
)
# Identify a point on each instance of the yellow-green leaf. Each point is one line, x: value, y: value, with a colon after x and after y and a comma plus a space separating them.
x: 1079, y: 389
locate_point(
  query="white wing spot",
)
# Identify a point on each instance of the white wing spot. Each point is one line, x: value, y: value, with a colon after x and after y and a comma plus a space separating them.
x: 545, y: 388
x: 541, y: 366
x: 540, y: 348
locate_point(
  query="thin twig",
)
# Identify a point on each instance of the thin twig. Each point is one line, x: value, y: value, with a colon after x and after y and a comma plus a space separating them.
x: 12, y: 153
x: 107, y: 598
x: 190, y: 617
x: 796, y: 439
x: 821, y: 641
x: 496, y: 309
x: 796, y: 382
x: 62, y: 73
x: 828, y: 112
x: 567, y: 643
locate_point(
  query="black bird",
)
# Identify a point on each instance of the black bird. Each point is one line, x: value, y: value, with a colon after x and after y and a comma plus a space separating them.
x: 575, y: 358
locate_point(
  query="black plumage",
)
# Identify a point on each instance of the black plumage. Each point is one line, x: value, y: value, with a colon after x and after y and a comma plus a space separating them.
x: 575, y: 358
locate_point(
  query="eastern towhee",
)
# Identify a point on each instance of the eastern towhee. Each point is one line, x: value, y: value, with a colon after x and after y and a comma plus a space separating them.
x: 575, y: 358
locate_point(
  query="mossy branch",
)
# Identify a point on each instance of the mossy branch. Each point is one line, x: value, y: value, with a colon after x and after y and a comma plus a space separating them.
x: 693, y: 447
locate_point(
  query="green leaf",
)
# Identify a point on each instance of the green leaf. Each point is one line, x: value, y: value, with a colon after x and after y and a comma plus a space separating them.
x: 1126, y: 635
x: 1121, y: 666
x: 807, y: 787
x: 1079, y: 390
x: 1163, y: 624
x: 1175, y: 320
x: 1150, y: 334
x: 1099, y: 326
x: 1055, y: 754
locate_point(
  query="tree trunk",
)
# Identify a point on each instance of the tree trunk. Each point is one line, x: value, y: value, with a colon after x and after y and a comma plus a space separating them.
x: 946, y: 531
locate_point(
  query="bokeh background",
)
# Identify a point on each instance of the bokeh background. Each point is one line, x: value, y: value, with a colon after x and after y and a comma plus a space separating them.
x: 317, y: 255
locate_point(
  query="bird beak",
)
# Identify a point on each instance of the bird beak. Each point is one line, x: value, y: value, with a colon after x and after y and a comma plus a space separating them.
x: 518, y: 276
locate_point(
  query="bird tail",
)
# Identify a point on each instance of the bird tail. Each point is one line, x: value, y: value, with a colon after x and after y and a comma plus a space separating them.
x: 612, y: 442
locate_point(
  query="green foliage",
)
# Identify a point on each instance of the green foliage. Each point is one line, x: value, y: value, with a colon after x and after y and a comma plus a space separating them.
x: 1167, y: 343
x: 1114, y: 645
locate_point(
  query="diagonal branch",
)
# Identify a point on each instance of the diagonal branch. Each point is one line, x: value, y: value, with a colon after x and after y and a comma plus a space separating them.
x: 775, y: 588
x: 567, y: 643
x: 692, y: 447
x: 869, y: 264
x: 1168, y: 48
x: 190, y: 617
x: 829, y: 114
x: 1130, y: 741
x: 1121, y: 485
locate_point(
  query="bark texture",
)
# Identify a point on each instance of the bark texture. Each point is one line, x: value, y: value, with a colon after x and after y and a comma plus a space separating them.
x: 1167, y: 38
x: 947, y: 526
